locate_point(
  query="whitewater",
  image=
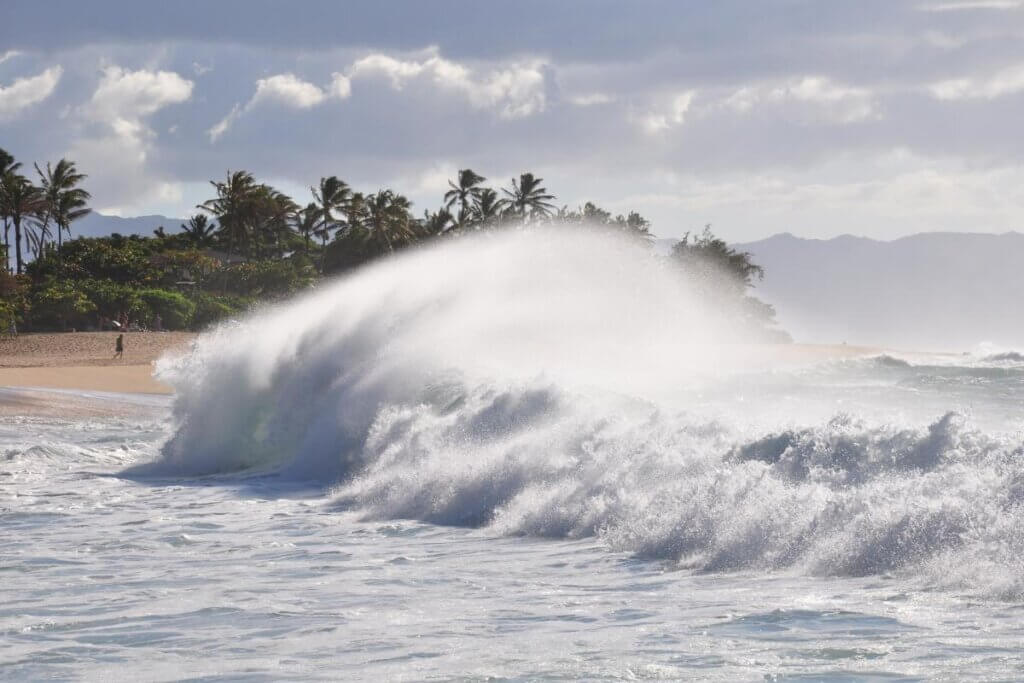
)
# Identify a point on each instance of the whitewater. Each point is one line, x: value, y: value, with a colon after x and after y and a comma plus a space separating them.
x: 522, y: 456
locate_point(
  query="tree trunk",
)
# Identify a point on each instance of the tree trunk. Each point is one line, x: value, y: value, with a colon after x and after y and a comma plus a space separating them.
x: 7, y: 245
x: 17, y: 243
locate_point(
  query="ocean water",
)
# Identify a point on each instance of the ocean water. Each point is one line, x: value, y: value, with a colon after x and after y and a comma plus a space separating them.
x: 521, y: 458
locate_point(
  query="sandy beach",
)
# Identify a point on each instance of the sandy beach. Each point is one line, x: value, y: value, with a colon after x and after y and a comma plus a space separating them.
x: 85, y: 361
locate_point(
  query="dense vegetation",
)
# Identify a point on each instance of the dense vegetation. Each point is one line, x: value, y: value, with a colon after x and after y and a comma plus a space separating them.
x: 251, y: 243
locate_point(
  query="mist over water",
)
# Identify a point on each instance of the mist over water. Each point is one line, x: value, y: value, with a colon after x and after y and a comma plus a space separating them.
x: 569, y: 385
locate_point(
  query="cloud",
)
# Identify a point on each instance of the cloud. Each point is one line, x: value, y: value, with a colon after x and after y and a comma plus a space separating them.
x: 10, y: 54
x: 132, y: 95
x: 121, y: 102
x: 287, y: 90
x: 340, y: 87
x: 513, y: 90
x: 119, y: 108
x: 1004, y: 82
x: 960, y: 5
x: 591, y: 99
x: 672, y: 115
x: 810, y: 99
x: 25, y: 92
x: 224, y: 125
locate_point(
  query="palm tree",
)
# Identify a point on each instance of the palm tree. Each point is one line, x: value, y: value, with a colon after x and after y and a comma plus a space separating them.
x: 7, y: 165
x: 7, y: 162
x: 388, y: 221
x: 527, y: 199
x: 37, y: 232
x: 22, y: 200
x: 65, y: 203
x: 438, y: 223
x: 332, y: 195
x: 487, y: 207
x: 462, y: 193
x: 232, y: 206
x: 355, y: 211
x: 199, y: 231
x: 274, y: 215
x: 306, y: 222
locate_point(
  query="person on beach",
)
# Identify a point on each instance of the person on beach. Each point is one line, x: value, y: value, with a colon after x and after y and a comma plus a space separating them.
x: 119, y: 347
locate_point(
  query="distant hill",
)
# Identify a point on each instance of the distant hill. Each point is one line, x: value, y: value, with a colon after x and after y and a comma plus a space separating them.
x: 947, y: 291
x: 98, y: 225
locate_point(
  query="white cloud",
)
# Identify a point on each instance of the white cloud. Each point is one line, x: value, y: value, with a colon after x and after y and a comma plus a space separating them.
x: 959, y: 5
x: 395, y: 70
x: 671, y: 115
x: 1004, y: 82
x: 121, y: 103
x: 224, y: 125
x: 515, y: 90
x: 10, y: 54
x: 131, y: 95
x: 340, y: 87
x: 591, y: 99
x: 25, y: 92
x: 122, y: 100
x: 289, y: 90
x: 284, y: 89
x: 814, y: 98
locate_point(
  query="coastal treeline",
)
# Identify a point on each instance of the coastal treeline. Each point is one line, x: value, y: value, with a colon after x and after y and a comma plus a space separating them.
x: 251, y: 243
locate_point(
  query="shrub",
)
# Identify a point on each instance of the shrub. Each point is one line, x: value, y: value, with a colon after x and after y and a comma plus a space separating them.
x: 212, y: 309
x: 60, y: 303
x: 174, y: 309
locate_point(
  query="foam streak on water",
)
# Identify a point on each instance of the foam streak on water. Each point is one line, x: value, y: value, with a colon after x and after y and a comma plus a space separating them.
x: 532, y: 456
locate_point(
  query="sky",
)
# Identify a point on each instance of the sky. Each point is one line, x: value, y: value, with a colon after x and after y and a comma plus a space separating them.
x: 875, y: 118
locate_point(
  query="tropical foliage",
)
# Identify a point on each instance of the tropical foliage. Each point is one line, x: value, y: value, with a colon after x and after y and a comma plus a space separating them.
x: 250, y: 243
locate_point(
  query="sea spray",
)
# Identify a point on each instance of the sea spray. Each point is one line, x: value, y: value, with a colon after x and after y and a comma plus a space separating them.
x: 304, y: 381
x: 569, y: 385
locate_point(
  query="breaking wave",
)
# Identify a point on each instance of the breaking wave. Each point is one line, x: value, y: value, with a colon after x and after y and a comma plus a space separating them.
x: 558, y: 386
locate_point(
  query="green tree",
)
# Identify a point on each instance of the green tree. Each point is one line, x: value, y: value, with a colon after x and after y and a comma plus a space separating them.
x: 332, y: 196
x: 438, y: 223
x: 7, y: 165
x: 487, y: 207
x: 388, y: 221
x: 61, y: 301
x: 709, y: 259
x: 463, y: 193
x: 306, y: 223
x: 719, y: 273
x: 273, y: 215
x: 65, y: 202
x: 527, y: 199
x: 199, y: 231
x: 174, y: 309
x: 233, y: 207
x: 21, y: 200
